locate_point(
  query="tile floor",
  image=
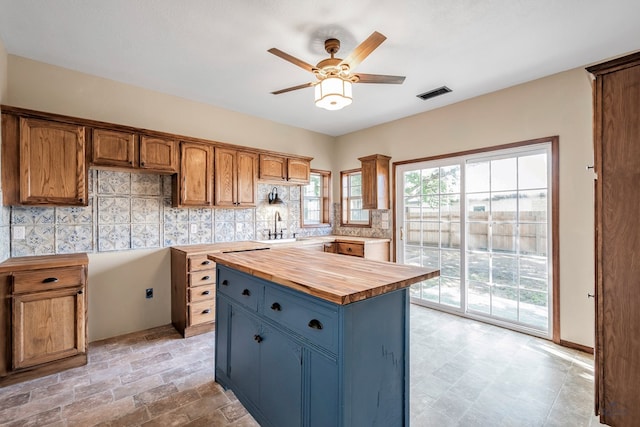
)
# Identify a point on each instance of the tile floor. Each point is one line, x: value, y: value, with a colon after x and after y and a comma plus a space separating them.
x: 463, y: 373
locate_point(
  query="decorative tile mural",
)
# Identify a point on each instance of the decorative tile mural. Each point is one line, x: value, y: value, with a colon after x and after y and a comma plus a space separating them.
x: 133, y: 211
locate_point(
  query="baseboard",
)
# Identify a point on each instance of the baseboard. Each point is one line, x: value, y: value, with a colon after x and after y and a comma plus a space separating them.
x: 575, y: 346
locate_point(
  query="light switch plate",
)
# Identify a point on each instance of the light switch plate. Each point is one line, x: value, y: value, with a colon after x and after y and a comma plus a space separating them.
x: 18, y: 232
x: 384, y: 225
x: 384, y: 216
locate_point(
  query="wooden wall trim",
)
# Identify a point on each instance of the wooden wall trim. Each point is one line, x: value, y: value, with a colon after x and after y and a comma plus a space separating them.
x: 576, y: 346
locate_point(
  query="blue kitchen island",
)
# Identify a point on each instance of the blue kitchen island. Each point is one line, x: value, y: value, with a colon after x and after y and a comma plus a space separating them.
x: 315, y: 339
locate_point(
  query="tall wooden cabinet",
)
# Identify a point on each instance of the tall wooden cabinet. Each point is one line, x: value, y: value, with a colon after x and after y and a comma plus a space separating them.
x: 375, y: 181
x: 617, y: 205
x: 193, y: 186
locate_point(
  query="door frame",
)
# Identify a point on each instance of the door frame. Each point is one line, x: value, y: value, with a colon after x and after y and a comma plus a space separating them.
x: 555, y: 213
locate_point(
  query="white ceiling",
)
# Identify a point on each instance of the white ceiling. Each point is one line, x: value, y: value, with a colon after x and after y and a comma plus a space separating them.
x: 215, y: 51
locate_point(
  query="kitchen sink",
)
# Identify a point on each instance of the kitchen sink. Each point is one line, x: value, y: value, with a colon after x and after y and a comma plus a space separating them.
x: 277, y: 241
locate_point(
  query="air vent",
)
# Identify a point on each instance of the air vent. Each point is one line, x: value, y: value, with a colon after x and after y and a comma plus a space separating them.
x: 433, y: 93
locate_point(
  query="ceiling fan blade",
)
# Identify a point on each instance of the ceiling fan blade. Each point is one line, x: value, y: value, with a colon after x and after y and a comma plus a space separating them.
x: 379, y: 78
x: 289, y: 89
x: 363, y: 50
x: 295, y: 61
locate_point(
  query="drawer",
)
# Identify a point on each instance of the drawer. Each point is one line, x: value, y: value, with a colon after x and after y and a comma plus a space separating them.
x: 242, y: 288
x: 204, y: 277
x: 200, y: 262
x: 200, y: 293
x: 354, y: 249
x: 310, y: 318
x: 46, y: 279
x: 202, y: 312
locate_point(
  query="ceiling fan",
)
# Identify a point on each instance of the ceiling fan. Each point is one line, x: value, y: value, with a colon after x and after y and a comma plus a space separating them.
x: 335, y: 76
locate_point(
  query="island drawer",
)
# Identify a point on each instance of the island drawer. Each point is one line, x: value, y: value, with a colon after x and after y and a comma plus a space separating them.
x: 314, y: 320
x: 202, y: 293
x: 202, y: 312
x: 200, y: 262
x: 241, y: 288
x: 354, y: 249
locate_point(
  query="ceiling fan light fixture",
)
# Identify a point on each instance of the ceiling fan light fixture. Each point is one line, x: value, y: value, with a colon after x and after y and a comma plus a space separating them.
x: 333, y: 93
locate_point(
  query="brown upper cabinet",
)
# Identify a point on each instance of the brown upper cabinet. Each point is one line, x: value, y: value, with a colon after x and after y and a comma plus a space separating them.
x: 288, y: 169
x: 43, y: 162
x: 375, y: 181
x: 235, y: 179
x: 116, y: 149
x: 193, y: 186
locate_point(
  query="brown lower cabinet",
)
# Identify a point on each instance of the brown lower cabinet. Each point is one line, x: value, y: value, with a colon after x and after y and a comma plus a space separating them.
x: 617, y: 246
x: 374, y: 250
x: 193, y: 290
x: 43, y: 315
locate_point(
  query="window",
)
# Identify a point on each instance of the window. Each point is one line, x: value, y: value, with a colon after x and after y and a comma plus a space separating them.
x: 352, y: 212
x: 315, y: 199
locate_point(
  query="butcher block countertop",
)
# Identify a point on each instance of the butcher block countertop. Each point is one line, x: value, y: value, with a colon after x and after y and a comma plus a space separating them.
x: 336, y: 278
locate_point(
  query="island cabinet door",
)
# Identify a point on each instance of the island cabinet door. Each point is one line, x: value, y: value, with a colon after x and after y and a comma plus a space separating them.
x: 322, y: 390
x: 280, y: 379
x: 244, y: 354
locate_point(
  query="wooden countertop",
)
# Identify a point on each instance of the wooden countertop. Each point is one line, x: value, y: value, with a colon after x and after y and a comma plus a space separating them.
x: 43, y: 261
x: 209, y: 248
x: 336, y: 278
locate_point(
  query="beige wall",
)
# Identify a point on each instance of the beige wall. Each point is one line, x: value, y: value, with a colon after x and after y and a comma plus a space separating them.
x: 117, y: 280
x: 3, y: 72
x: 556, y: 105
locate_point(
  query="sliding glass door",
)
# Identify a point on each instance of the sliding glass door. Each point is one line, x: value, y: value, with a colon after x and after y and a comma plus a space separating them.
x: 483, y: 220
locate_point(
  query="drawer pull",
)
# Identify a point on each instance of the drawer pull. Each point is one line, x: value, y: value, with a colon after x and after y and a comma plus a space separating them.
x: 276, y: 307
x: 205, y: 262
x: 206, y: 278
x: 206, y: 293
x: 348, y: 249
x: 207, y: 311
x: 246, y: 293
x: 225, y: 282
x: 257, y: 338
x: 50, y: 280
x: 315, y: 324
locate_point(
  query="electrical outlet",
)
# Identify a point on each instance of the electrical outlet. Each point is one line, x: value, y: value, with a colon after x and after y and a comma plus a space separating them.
x: 194, y: 228
x: 149, y: 293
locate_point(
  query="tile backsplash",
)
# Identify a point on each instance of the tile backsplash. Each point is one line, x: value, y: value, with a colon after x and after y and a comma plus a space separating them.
x: 133, y: 211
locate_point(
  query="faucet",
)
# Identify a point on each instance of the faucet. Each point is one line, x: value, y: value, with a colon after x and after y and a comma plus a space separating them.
x: 276, y: 218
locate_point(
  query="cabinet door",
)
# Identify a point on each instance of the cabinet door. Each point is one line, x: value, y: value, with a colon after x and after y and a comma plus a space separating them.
x: 48, y: 326
x: 244, y: 354
x: 298, y: 170
x: 247, y: 173
x: 111, y: 148
x: 281, y: 370
x: 158, y: 154
x: 53, y: 169
x: 196, y: 174
x: 375, y: 181
x: 273, y: 168
x: 322, y: 390
x: 225, y: 183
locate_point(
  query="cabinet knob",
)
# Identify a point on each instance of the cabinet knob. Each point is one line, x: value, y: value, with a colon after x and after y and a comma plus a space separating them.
x: 206, y: 278
x: 80, y: 292
x: 315, y: 324
x: 276, y: 307
x: 80, y: 199
x: 141, y: 163
x: 206, y: 262
x: 246, y: 292
x: 257, y: 338
x: 206, y: 293
x: 50, y: 280
x: 348, y: 249
x: 225, y: 283
x: 207, y: 311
